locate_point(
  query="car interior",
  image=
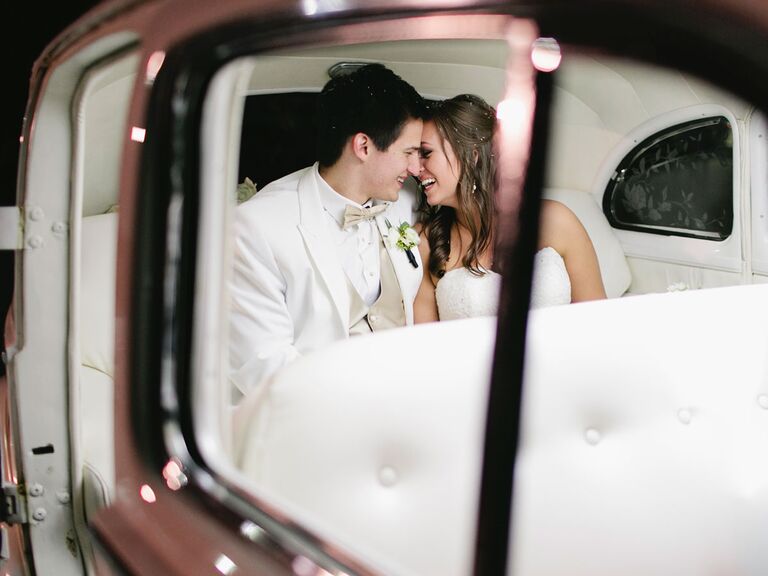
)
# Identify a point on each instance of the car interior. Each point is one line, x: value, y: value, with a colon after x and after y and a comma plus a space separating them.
x: 661, y: 169
x: 100, y: 126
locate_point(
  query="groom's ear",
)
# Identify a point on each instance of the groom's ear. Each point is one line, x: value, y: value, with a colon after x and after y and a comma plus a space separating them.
x: 361, y: 145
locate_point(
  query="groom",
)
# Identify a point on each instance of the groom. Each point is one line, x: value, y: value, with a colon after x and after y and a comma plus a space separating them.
x: 312, y: 263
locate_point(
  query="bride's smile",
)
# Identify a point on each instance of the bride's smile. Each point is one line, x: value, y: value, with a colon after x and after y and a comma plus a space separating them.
x: 441, y: 169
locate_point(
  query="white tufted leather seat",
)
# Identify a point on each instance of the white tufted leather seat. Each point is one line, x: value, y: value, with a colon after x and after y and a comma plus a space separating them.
x: 645, y: 424
x: 96, y: 390
x: 382, y: 452
x: 642, y: 451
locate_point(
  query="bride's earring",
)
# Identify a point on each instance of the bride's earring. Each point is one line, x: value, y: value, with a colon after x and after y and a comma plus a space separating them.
x: 474, y: 187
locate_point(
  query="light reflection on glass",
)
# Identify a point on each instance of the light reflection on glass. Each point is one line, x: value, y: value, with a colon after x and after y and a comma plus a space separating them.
x: 515, y: 115
x: 313, y: 7
x: 138, y: 134
x: 174, y: 475
x: 225, y: 565
x: 251, y: 530
x: 303, y: 566
x: 147, y: 494
x: 513, y: 112
x: 310, y: 7
x: 545, y: 54
x: 154, y: 63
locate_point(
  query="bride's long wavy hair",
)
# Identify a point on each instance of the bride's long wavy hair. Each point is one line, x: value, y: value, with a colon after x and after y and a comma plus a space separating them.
x: 467, y: 123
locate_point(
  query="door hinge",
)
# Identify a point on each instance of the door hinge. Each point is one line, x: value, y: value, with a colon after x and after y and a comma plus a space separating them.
x: 11, y: 228
x: 14, y: 506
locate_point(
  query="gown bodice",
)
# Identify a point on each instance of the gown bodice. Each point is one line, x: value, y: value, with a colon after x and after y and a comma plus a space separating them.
x: 462, y: 294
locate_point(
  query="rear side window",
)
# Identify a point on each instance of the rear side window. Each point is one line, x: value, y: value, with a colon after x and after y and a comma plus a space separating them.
x: 677, y: 182
x: 278, y: 136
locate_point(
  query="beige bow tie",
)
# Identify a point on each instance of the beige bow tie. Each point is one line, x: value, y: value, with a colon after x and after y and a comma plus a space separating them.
x: 354, y: 215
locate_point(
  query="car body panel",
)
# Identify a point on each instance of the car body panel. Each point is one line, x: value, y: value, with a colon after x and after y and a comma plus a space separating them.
x: 208, y: 524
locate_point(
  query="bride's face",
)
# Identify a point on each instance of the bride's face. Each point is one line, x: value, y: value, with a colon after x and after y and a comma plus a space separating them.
x: 441, y: 168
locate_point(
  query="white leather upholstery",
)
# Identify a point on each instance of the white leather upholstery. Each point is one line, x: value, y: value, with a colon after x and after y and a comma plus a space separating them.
x: 437, y: 69
x: 97, y: 400
x: 613, y: 264
x: 641, y: 448
x: 382, y: 457
x: 599, y: 100
x: 602, y: 108
x: 654, y: 276
x: 103, y: 125
x: 97, y: 313
x: 97, y: 295
x: 642, y: 451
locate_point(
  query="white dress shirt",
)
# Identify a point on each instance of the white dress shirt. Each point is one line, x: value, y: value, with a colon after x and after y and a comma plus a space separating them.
x: 357, y: 246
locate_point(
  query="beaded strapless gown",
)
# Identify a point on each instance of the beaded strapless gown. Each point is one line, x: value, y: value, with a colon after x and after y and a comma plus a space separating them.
x: 461, y: 294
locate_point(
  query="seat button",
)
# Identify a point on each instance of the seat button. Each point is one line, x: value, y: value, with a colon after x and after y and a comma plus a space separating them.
x: 684, y: 416
x: 387, y: 476
x: 592, y: 436
x: 763, y: 401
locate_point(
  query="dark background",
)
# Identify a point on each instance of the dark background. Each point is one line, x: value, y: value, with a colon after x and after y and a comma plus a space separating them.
x: 29, y: 27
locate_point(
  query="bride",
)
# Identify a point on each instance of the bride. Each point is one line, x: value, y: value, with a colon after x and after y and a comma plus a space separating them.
x: 457, y: 224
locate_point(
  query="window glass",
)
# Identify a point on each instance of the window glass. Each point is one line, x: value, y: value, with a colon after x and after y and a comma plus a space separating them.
x: 679, y: 181
x: 316, y: 416
x: 278, y: 136
x: 354, y: 438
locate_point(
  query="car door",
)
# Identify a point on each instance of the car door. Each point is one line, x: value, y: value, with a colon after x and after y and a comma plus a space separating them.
x: 172, y: 81
x: 178, y: 188
x: 58, y: 453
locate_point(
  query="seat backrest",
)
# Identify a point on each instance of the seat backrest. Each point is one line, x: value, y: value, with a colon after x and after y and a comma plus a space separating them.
x: 376, y: 454
x: 97, y: 327
x: 640, y: 448
x: 613, y: 264
x: 638, y: 455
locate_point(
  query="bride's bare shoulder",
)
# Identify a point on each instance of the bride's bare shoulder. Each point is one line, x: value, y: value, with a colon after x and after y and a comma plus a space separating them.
x: 559, y: 226
x: 556, y: 213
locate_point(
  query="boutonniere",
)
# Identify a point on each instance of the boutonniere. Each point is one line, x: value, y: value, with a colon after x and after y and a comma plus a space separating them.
x: 403, y: 237
x: 245, y: 190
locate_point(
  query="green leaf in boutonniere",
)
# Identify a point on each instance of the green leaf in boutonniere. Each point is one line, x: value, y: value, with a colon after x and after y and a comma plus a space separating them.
x: 245, y: 190
x: 403, y: 237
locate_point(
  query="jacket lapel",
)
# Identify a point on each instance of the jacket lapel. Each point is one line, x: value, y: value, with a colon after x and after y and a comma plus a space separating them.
x: 408, y: 277
x: 320, y: 248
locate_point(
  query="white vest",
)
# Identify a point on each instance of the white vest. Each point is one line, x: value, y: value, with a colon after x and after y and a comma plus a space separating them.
x: 387, y: 312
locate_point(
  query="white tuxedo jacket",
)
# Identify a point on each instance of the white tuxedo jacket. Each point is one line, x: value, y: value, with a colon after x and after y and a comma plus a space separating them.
x: 289, y: 291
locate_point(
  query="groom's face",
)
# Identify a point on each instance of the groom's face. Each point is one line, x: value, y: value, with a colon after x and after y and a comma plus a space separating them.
x: 388, y: 169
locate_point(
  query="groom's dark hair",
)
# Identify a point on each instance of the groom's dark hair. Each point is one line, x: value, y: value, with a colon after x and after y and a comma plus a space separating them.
x: 373, y: 100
